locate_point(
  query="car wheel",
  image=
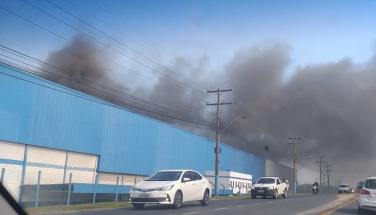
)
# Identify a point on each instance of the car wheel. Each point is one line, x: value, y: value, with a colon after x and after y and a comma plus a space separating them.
x: 275, y: 194
x: 178, y: 200
x: 284, y: 194
x: 205, y: 200
x: 360, y: 211
x: 138, y: 206
x: 253, y: 197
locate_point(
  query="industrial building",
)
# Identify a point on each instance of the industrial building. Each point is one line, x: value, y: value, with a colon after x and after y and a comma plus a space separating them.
x: 56, y: 130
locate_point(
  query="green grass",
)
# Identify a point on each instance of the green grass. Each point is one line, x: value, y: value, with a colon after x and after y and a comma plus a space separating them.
x: 108, y: 205
x: 83, y: 207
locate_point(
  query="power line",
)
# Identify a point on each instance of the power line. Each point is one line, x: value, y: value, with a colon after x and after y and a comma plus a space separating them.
x: 19, y: 54
x: 140, y: 54
x: 86, y: 79
x: 88, y: 98
x: 69, y: 41
x: 92, y: 92
x: 111, y: 14
x: 307, y: 166
x: 106, y: 45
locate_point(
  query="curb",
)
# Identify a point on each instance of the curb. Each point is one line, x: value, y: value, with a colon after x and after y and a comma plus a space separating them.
x: 341, y: 206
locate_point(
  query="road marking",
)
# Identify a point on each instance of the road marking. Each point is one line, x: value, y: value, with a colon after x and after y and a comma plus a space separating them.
x: 190, y: 213
x: 220, y: 209
x: 341, y: 206
x: 239, y: 206
x: 256, y: 203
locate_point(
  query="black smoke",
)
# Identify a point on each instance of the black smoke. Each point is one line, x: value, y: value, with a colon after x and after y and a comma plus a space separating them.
x: 79, y: 65
x: 331, y: 105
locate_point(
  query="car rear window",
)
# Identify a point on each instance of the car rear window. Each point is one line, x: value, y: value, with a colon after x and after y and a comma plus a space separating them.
x: 370, y: 184
x: 266, y: 181
x: 343, y: 186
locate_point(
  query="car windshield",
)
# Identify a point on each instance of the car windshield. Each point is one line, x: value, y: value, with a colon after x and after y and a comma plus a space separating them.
x: 165, y: 176
x: 370, y: 184
x: 343, y: 186
x: 265, y: 181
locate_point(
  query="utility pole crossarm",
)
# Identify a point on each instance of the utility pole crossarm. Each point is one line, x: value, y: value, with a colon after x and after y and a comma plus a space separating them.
x: 219, y: 90
x: 222, y: 103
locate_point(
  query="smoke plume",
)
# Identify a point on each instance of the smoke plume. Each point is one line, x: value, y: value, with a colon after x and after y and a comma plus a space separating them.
x: 79, y: 66
x: 331, y: 105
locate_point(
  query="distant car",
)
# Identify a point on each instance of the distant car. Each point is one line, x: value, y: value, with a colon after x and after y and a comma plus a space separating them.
x: 359, y: 186
x: 343, y: 188
x: 171, y: 187
x: 367, y: 198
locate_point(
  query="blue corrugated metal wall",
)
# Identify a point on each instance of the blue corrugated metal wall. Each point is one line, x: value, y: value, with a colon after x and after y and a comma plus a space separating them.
x: 37, y: 112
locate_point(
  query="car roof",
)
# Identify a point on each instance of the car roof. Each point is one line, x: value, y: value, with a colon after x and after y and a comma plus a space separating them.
x: 371, y: 177
x: 172, y: 170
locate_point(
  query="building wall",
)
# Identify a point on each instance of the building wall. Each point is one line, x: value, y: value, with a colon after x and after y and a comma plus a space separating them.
x: 280, y: 170
x: 36, y: 112
x: 52, y: 164
x: 238, y: 183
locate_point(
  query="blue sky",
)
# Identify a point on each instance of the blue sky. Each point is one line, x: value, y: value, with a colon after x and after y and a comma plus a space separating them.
x: 315, y: 31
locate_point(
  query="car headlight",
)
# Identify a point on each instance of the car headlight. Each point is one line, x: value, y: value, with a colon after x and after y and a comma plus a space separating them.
x: 165, y: 188
x: 271, y: 188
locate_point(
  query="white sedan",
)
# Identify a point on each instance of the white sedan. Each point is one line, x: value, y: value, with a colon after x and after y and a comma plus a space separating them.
x: 171, y: 187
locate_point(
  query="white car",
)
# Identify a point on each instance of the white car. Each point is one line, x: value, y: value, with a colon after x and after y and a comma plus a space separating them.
x: 367, y: 196
x: 269, y: 186
x: 343, y: 188
x: 172, y: 187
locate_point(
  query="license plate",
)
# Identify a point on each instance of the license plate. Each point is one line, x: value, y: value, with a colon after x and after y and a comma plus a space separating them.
x: 260, y: 191
x: 144, y: 195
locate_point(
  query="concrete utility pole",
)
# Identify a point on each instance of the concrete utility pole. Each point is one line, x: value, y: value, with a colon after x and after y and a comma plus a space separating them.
x: 295, y: 159
x: 327, y: 172
x: 320, y: 162
x: 218, y: 133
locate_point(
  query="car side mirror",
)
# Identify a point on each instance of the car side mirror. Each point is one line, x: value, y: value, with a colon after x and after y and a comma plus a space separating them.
x: 186, y: 179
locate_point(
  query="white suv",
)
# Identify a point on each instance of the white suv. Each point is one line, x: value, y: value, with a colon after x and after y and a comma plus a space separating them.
x: 367, y: 196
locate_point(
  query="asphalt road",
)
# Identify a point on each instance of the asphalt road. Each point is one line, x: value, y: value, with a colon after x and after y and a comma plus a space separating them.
x: 298, y: 204
x: 350, y: 209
